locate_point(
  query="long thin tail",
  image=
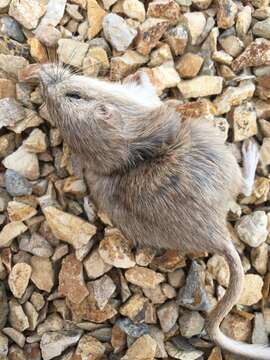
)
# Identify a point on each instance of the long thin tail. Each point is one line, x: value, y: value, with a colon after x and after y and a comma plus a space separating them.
x: 231, y: 298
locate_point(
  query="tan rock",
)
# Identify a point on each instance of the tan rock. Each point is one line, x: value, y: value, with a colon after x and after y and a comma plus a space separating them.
x: 144, y: 255
x: 17, y: 318
x: 215, y: 354
x: 169, y: 261
x: 19, y: 278
x: 142, y: 349
x: 42, y: 273
x: 244, y: 121
x: 219, y: 269
x: 115, y: 250
x: 168, y: 9
x: 18, y: 211
x: 11, y: 64
x: 95, y: 266
x: 256, y: 54
x: 118, y: 339
x: 11, y: 231
x: 71, y: 281
x: 252, y: 291
x: 168, y: 314
x: 69, y: 228
x: 155, y: 295
x: 243, y: 21
x: 36, y: 142
x: 11, y: 112
x: 31, y: 119
x: 233, y: 96
x: 144, y: 277
x: 15, y: 335
x: 95, y: 15
x: 74, y: 186
x: 37, y: 50
x: 150, y: 32
x: 7, y: 89
x: 259, y: 258
x: 189, y: 65
x: 96, y: 61
x: 160, y: 55
x: 72, y: 51
x: 195, y: 109
x: 237, y: 327
x: 53, y: 322
x: 201, y: 86
x: 265, y: 151
x: 31, y: 314
x: 226, y: 13
x: 222, y: 57
x: 177, y: 38
x: 23, y: 162
x: 27, y: 12
x: 195, y: 22
x: 108, y: 3
x: 134, y: 9
x: 89, y: 348
x: 134, y: 308
x: 232, y: 45
x: 122, y: 66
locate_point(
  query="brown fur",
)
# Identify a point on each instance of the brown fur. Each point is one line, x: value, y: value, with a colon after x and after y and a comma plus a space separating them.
x: 163, y: 182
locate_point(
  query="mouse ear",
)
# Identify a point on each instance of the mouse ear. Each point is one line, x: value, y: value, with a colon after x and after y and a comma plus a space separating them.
x: 107, y: 114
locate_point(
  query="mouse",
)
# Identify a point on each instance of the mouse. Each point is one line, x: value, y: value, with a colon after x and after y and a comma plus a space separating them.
x: 163, y: 182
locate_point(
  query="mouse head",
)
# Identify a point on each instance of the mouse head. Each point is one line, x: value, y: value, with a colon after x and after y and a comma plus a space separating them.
x: 110, y: 125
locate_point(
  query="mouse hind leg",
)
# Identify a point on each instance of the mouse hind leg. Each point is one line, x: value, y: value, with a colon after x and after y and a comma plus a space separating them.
x: 250, y: 153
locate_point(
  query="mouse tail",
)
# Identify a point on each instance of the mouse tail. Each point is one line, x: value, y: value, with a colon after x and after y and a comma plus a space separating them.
x: 222, y: 309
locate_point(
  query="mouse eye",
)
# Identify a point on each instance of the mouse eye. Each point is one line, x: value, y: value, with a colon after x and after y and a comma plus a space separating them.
x: 73, y: 95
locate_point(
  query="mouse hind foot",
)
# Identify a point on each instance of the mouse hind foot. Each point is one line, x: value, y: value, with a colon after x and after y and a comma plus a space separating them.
x: 250, y: 153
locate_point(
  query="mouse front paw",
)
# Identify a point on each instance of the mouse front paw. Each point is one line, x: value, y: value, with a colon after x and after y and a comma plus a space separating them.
x: 250, y: 155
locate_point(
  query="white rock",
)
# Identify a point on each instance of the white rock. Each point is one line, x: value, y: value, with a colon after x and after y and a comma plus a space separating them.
x: 201, y: 86
x: 252, y: 229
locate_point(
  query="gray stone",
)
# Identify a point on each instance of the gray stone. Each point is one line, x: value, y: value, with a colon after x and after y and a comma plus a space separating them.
x: 131, y: 329
x: 191, y: 323
x: 54, y: 343
x: 10, y: 111
x: 259, y: 334
x: 11, y: 28
x: 3, y: 306
x: 15, y: 335
x: 16, y: 184
x: 168, y: 314
x: 193, y: 295
x: 262, y: 28
x: 119, y: 34
x: 3, y: 345
x: 36, y: 245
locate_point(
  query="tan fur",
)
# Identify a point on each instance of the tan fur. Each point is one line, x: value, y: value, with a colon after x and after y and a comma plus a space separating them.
x: 163, y: 182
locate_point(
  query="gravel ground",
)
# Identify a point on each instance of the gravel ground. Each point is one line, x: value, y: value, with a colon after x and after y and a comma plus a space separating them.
x: 71, y: 286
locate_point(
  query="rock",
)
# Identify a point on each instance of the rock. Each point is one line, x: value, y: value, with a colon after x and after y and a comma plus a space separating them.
x: 11, y: 28
x: 143, y: 348
x: 37, y: 300
x: 215, y: 354
x: 95, y: 17
x: 11, y: 231
x: 37, y: 50
x: 169, y: 261
x: 31, y: 120
x: 150, y: 32
x: 180, y: 348
x: 15, y: 335
x: 262, y: 29
x: 201, y: 86
x: 143, y: 277
x: 122, y: 66
x: 160, y: 55
x: 134, y: 308
x: 4, y: 5
x: 264, y: 152
x: 233, y: 96
x: 18, y: 211
x: 12, y: 64
x: 3, y: 346
x: 115, y: 250
x: 167, y: 9
x: 118, y: 339
x: 4, y: 309
x: 36, y: 142
x: 244, y: 121
x: 72, y: 52
x: 226, y: 14
x: 32, y: 315
x: 54, y: 343
x: 23, y: 162
x: 71, y: 281
x: 7, y: 144
x: 256, y: 54
x: 195, y: 22
x: 42, y: 273
x: 103, y: 288
x: 144, y: 255
x: 7, y: 88
x: 11, y: 111
x: 89, y: 348
x: 243, y: 21
x: 131, y: 329
x: 54, y: 13
x: 48, y: 35
x: 163, y: 77
x: 168, y: 315
x: 156, y: 295
x: 95, y: 266
x: 69, y: 228
x: 189, y: 65
x: 117, y: 32
x: 17, y: 318
x: 96, y: 62
x: 259, y: 334
x: 134, y: 9
x: 252, y: 229
x: 19, y: 278
x: 191, y: 323
x: 177, y: 278
x: 236, y: 327
x: 36, y: 245
x: 17, y: 185
x: 222, y: 57
x: 27, y: 12
x: 108, y: 3
x: 193, y: 295
x: 52, y: 323
x: 232, y: 45
x: 177, y: 38
x: 219, y: 269
x: 252, y: 291
x: 259, y: 258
